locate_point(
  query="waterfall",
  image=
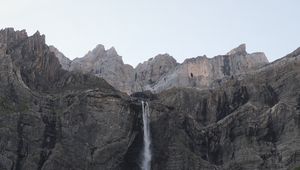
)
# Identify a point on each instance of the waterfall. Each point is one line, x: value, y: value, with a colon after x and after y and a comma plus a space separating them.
x: 146, y: 162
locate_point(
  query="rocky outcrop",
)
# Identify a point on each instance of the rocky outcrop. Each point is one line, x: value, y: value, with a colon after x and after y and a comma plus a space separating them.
x: 248, y: 123
x: 63, y: 60
x: 203, y: 72
x: 150, y: 72
x: 51, y: 118
x: 54, y: 119
x: 163, y: 72
x: 106, y: 64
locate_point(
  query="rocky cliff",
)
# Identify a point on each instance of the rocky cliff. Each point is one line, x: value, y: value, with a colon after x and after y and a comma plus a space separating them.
x: 203, y: 72
x: 248, y: 123
x: 54, y: 119
x: 106, y: 64
x: 51, y: 118
x: 163, y: 72
x: 148, y: 73
x: 63, y: 60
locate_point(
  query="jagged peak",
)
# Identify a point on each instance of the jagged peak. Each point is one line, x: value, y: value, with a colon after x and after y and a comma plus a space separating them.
x: 99, y: 52
x: 241, y: 50
x: 100, y: 47
x: 38, y: 37
x: 9, y: 34
x: 8, y: 29
x: 112, y: 51
x: 37, y: 33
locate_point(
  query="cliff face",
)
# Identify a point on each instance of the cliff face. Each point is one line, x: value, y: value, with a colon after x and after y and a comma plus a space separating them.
x: 51, y: 118
x: 150, y: 72
x: 63, y: 60
x: 54, y: 119
x: 203, y: 72
x: 106, y: 64
x: 249, y: 123
x: 163, y: 72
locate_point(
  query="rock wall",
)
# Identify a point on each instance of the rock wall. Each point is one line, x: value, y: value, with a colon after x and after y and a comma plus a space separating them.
x: 51, y: 118
x: 163, y: 72
x: 203, y: 72
x: 63, y: 60
x: 150, y: 72
x: 106, y: 64
x: 249, y: 123
x: 54, y: 119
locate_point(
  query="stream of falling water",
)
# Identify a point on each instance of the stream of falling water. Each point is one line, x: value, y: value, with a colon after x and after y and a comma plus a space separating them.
x: 146, y: 163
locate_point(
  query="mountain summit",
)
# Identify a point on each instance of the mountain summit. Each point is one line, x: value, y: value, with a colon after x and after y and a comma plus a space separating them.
x: 229, y: 112
x: 163, y: 72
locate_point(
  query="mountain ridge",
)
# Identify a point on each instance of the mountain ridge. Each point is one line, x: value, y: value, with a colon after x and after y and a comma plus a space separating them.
x: 51, y: 118
x: 140, y: 78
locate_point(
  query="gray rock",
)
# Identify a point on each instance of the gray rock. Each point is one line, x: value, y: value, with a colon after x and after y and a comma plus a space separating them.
x: 163, y: 72
x: 150, y: 72
x: 240, y: 50
x: 51, y: 118
x: 54, y: 119
x: 248, y: 123
x: 203, y: 72
x: 108, y: 65
x: 63, y: 60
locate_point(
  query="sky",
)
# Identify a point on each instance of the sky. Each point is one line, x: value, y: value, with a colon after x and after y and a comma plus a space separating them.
x: 141, y: 29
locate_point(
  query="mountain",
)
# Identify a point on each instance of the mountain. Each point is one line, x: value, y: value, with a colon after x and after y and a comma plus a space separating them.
x: 106, y: 64
x: 148, y: 73
x: 54, y: 118
x: 163, y: 72
x: 63, y: 60
x: 202, y: 72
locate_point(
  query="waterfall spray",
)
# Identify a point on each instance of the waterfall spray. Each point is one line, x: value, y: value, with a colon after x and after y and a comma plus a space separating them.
x: 146, y: 164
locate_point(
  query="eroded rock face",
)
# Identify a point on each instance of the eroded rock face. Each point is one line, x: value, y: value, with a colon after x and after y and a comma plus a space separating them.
x: 249, y: 123
x: 51, y: 118
x: 63, y: 60
x: 203, y: 72
x: 163, y: 72
x: 150, y: 72
x: 106, y: 64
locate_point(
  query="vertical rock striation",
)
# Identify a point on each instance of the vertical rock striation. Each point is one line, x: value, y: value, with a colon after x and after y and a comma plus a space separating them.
x: 163, y: 72
x: 148, y: 73
x: 106, y: 64
x: 63, y: 60
x: 54, y: 119
x: 203, y: 72
x: 235, y: 111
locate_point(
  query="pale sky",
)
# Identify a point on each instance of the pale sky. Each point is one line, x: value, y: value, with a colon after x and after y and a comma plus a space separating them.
x: 140, y: 29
